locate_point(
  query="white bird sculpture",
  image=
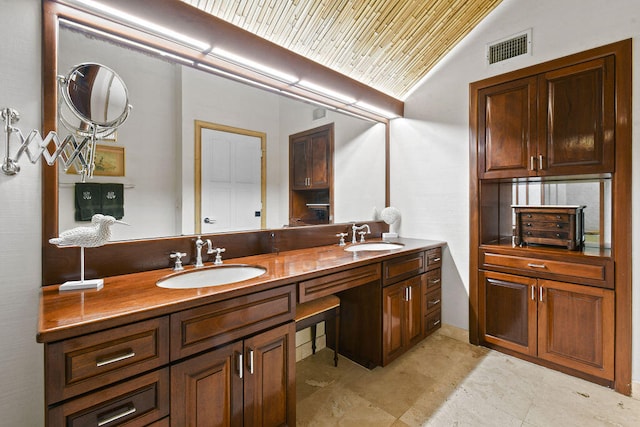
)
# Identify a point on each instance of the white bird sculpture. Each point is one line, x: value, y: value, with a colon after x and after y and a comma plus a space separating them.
x: 88, y: 237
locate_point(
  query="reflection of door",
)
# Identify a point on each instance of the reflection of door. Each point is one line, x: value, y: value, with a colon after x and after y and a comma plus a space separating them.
x: 231, y: 198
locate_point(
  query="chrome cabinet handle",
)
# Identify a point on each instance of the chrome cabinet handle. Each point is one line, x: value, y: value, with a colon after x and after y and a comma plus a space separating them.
x: 251, y: 362
x: 434, y: 302
x: 435, y: 260
x: 533, y: 293
x: 436, y: 322
x: 435, y: 281
x: 540, y: 157
x: 240, y: 366
x: 103, y: 362
x: 128, y: 410
x: 536, y: 265
x: 540, y: 293
x: 532, y: 164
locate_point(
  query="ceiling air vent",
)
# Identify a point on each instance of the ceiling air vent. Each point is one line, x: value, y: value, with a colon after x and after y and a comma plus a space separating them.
x: 508, y: 48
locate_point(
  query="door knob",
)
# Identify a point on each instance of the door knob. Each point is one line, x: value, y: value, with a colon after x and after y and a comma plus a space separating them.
x: 209, y: 221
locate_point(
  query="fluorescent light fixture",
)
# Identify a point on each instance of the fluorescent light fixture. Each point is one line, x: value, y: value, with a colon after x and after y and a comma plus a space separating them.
x: 236, y: 77
x: 327, y: 92
x: 357, y: 116
x: 240, y: 60
x: 376, y: 110
x: 125, y: 41
x: 120, y: 16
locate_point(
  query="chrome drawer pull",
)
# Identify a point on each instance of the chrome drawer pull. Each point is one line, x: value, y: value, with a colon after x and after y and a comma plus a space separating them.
x: 536, y: 265
x: 436, y: 322
x: 103, y: 362
x: 434, y: 302
x: 434, y: 281
x: 435, y: 260
x: 127, y: 411
x: 240, y: 366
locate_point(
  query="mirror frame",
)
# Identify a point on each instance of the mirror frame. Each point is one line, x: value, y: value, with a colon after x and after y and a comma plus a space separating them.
x: 60, y: 264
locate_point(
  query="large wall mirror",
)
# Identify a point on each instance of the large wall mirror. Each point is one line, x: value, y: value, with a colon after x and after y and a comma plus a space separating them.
x: 158, y: 140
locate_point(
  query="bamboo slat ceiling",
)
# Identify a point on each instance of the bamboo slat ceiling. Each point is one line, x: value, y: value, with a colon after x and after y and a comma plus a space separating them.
x: 386, y: 44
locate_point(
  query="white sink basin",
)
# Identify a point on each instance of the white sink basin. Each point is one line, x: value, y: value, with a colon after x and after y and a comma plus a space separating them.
x: 210, y: 276
x: 373, y: 246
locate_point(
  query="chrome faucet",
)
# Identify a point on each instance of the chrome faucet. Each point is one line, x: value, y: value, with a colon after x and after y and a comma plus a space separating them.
x: 355, y: 228
x: 199, y: 245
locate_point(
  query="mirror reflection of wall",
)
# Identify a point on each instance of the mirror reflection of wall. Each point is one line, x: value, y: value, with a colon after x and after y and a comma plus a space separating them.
x: 595, y: 194
x: 158, y: 141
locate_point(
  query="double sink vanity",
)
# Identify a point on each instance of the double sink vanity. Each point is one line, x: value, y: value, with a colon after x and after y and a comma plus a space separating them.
x: 157, y: 348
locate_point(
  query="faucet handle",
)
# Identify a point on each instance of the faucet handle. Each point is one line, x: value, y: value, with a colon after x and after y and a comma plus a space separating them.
x: 178, y: 256
x: 218, y: 252
x: 362, y: 233
x: 341, y: 236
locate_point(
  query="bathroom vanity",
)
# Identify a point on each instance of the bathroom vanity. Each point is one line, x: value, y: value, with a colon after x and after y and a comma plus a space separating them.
x: 137, y: 353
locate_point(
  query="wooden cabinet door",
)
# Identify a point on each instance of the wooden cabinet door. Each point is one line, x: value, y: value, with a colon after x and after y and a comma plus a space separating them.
x: 577, y: 115
x: 414, y: 316
x: 269, y: 379
x: 207, y: 389
x: 299, y: 163
x: 393, y: 301
x: 402, y: 316
x: 319, y: 160
x: 508, y: 311
x: 507, y: 129
x: 576, y: 327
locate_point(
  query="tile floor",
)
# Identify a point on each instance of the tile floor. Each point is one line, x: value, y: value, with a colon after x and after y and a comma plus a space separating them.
x: 445, y: 381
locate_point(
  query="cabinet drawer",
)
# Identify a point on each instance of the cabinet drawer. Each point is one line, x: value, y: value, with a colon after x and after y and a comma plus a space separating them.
x: 433, y: 258
x: 596, y: 274
x: 432, y: 322
x: 81, y: 364
x: 536, y: 216
x: 215, y: 324
x: 332, y: 283
x: 546, y: 226
x: 402, y: 267
x: 433, y: 279
x: 138, y: 402
x: 433, y: 300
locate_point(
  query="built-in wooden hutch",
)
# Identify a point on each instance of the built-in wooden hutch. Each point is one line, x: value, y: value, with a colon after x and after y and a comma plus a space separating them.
x: 557, y: 133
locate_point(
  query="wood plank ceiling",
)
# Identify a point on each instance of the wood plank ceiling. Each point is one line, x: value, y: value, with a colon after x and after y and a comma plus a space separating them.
x: 389, y: 45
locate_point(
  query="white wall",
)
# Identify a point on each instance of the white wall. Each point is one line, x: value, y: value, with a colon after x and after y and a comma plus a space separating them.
x: 429, y: 148
x: 21, y: 366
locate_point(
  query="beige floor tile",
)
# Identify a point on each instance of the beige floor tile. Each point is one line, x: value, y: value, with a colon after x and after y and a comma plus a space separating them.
x: 445, y: 381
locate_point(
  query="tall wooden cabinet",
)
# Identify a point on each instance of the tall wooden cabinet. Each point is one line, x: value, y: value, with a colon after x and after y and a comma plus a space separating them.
x: 565, y: 121
x: 311, y: 176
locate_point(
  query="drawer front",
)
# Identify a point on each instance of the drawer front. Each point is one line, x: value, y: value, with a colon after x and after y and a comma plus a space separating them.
x: 81, y: 364
x: 138, y: 402
x: 215, y: 324
x: 544, y: 226
x: 332, y: 283
x: 434, y: 279
x: 598, y: 275
x: 433, y: 300
x: 545, y: 234
x: 432, y: 322
x: 536, y: 216
x: 402, y: 267
x: 433, y: 258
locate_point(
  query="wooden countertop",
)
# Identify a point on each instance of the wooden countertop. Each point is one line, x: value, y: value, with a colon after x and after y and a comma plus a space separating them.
x: 133, y: 297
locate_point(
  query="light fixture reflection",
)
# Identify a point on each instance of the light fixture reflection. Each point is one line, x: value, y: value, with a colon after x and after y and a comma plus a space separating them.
x: 120, y: 16
x: 240, y: 60
x: 326, y: 91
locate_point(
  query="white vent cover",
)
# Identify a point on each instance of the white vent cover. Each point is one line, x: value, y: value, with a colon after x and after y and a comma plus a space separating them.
x: 510, y: 47
x: 319, y: 113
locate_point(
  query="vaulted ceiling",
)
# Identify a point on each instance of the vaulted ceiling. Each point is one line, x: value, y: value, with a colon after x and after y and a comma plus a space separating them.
x: 389, y: 45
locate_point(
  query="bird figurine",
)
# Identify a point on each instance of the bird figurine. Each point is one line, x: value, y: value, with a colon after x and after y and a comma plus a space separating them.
x: 92, y: 236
